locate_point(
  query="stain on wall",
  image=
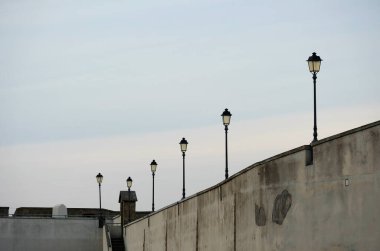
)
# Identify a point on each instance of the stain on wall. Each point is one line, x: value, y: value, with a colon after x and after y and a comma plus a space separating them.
x: 260, y: 216
x: 281, y: 206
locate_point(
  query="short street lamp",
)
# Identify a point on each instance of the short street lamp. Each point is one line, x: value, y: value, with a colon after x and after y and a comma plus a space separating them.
x: 153, y: 168
x: 183, y: 143
x: 226, y: 115
x: 314, y: 63
x: 129, y: 185
x: 99, y: 179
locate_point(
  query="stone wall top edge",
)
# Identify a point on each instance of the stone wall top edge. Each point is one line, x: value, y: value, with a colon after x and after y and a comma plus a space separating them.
x: 346, y: 133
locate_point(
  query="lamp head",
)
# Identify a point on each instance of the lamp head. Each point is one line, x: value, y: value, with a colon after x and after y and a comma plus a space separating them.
x: 226, y: 115
x: 129, y: 182
x: 314, y: 63
x: 99, y: 178
x: 153, y: 166
x: 183, y: 143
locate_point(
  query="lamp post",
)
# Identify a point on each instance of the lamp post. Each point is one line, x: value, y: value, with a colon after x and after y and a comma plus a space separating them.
x: 129, y: 185
x: 183, y: 143
x: 226, y: 115
x: 314, y: 63
x: 153, y: 168
x: 99, y: 179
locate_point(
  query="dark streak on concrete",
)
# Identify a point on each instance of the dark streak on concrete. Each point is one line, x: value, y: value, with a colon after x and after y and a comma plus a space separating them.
x: 309, y: 156
x: 269, y: 173
x: 166, y: 235
x: 260, y: 216
x: 375, y: 139
x: 281, y: 206
x: 144, y: 241
x: 220, y: 193
x: 234, y: 222
x: 197, y: 236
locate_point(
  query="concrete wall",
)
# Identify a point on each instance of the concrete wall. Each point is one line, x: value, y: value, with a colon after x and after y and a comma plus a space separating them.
x: 106, y: 239
x: 40, y: 234
x: 280, y: 204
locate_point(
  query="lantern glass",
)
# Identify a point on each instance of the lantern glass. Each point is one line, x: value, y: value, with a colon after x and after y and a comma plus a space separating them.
x: 314, y: 63
x: 129, y: 182
x: 99, y: 178
x: 226, y: 115
x: 153, y: 166
x: 183, y: 145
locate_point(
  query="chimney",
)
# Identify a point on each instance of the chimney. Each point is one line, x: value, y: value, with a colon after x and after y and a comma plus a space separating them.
x: 4, y: 211
x: 127, y: 200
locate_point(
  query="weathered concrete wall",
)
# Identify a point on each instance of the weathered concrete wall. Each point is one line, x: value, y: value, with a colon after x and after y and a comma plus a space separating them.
x: 40, y: 234
x: 105, y: 241
x: 280, y: 204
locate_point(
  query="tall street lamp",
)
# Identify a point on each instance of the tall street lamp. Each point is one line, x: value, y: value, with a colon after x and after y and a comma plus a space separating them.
x: 153, y: 168
x: 99, y: 179
x: 226, y: 115
x: 314, y: 63
x: 183, y: 143
x: 129, y: 185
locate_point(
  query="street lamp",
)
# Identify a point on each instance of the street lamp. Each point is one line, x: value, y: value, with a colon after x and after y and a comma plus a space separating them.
x: 153, y: 168
x: 226, y: 115
x: 99, y: 179
x: 314, y: 63
x: 129, y: 185
x: 183, y: 143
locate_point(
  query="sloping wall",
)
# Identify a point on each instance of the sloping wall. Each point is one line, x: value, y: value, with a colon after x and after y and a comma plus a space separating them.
x: 283, y: 203
x: 40, y: 234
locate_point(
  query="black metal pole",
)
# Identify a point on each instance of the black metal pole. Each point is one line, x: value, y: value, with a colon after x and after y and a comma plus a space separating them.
x: 153, y: 194
x: 100, y: 200
x: 122, y: 217
x: 100, y: 208
x: 226, y: 129
x: 315, y: 134
x: 183, y: 174
x: 129, y: 205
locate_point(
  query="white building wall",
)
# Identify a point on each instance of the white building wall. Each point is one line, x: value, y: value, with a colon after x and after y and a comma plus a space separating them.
x: 46, y: 234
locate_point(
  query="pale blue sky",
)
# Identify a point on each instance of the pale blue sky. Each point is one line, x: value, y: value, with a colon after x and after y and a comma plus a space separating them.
x: 73, y: 73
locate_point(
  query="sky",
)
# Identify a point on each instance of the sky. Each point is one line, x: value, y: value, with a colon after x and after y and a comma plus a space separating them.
x: 108, y: 86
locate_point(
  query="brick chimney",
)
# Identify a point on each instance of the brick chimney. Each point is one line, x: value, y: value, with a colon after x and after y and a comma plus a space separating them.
x: 127, y: 200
